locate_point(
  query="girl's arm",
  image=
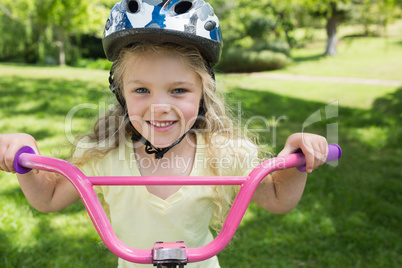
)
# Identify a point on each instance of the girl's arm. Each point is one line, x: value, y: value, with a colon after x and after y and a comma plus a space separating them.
x: 281, y: 191
x: 46, y: 191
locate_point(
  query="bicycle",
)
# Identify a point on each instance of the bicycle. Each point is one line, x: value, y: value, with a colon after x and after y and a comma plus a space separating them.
x: 163, y: 254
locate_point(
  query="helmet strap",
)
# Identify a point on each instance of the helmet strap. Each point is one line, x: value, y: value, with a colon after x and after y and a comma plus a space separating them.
x: 160, y: 152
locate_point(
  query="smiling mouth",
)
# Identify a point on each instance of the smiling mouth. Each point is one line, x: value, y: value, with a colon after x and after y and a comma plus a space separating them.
x: 161, y: 124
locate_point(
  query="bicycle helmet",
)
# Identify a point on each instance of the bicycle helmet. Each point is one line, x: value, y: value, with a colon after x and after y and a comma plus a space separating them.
x: 184, y: 22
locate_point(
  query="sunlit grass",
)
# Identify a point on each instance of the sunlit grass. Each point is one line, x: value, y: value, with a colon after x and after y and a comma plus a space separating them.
x: 366, y: 57
x: 393, y: 29
x: 65, y: 73
x: 348, y: 95
x: 372, y: 136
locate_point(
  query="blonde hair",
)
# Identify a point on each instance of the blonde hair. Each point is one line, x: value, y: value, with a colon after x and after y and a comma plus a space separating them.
x: 217, y: 120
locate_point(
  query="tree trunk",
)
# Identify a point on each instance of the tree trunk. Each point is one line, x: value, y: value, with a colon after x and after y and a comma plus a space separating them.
x: 62, y: 55
x: 332, y: 40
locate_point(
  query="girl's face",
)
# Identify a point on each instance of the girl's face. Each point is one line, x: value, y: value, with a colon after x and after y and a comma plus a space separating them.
x: 162, y: 95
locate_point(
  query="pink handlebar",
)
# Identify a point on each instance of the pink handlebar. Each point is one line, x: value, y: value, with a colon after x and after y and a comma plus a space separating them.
x: 25, y: 160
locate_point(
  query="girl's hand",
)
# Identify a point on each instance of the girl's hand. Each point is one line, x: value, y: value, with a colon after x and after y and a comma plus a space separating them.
x: 314, y: 148
x: 9, y: 145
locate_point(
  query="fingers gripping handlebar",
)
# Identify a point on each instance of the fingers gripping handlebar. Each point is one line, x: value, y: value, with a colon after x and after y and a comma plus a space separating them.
x: 25, y: 160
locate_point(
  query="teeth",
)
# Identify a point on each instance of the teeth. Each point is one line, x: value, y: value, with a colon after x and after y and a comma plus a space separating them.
x: 161, y: 124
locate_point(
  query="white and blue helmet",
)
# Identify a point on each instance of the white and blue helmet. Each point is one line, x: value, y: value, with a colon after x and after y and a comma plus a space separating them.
x: 185, y: 22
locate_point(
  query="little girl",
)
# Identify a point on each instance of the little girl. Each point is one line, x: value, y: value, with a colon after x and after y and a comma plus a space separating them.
x: 169, y: 121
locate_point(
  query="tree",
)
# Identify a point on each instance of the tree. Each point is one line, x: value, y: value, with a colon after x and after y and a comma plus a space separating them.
x: 285, y: 13
x: 257, y: 24
x: 334, y: 12
x: 49, y: 23
x: 18, y: 30
x: 8, y: 40
x: 376, y: 12
x: 71, y: 17
x: 281, y: 17
x: 332, y: 24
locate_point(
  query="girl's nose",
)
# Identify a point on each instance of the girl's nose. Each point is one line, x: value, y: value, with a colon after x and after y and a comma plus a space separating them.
x: 160, y: 108
x: 160, y: 103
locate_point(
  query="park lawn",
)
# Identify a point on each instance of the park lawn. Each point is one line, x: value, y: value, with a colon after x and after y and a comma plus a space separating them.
x: 61, y: 73
x: 36, y: 100
x: 365, y: 57
x: 349, y: 215
x: 347, y: 94
x: 361, y: 57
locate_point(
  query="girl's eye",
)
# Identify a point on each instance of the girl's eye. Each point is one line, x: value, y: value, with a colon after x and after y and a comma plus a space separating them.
x: 179, y: 90
x: 141, y: 90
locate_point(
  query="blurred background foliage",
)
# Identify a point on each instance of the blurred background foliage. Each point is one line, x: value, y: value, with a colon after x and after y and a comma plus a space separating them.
x: 257, y: 34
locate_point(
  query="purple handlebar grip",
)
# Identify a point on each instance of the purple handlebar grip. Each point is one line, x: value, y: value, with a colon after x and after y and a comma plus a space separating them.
x: 20, y: 169
x: 334, y: 154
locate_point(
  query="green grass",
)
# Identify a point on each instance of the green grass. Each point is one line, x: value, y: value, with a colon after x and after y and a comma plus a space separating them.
x: 349, y: 215
x: 357, y: 57
x: 365, y: 57
x: 348, y: 95
x: 35, y: 100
